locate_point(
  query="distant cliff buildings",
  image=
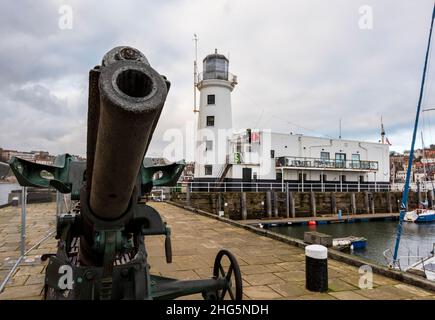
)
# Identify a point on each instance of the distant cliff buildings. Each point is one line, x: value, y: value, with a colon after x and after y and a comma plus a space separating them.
x: 423, y: 167
x: 43, y: 157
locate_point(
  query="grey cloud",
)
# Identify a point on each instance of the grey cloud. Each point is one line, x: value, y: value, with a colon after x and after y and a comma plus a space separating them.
x: 40, y: 98
x: 304, y: 62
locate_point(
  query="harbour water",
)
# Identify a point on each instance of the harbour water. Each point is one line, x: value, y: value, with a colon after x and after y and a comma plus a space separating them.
x: 417, y: 239
x: 5, y: 188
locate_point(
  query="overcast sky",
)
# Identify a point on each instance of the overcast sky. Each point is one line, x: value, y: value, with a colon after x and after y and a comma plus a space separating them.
x: 301, y: 65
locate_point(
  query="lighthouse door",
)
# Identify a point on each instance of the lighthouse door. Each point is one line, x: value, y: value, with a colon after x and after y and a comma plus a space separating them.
x: 247, y: 178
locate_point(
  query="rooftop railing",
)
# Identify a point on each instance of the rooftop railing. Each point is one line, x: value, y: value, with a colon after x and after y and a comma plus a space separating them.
x: 306, y: 162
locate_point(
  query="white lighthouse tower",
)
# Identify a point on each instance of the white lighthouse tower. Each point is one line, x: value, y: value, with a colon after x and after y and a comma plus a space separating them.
x: 215, y: 85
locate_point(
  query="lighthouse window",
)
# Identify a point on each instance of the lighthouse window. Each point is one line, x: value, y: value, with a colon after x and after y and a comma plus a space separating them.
x: 208, y: 170
x: 210, y: 121
x: 211, y: 99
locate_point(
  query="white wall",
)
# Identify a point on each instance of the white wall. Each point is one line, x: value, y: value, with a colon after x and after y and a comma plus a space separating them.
x: 306, y: 146
x: 218, y: 133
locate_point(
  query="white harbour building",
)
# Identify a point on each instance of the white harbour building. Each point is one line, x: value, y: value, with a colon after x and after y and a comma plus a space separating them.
x: 263, y: 159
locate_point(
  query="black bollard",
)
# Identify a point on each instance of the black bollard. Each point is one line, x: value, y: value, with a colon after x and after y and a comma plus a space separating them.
x: 316, y: 268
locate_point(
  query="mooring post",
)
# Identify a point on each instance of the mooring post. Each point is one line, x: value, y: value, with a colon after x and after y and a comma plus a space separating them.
x: 291, y: 199
x: 313, y: 203
x: 389, y: 202
x: 275, y: 204
x: 244, y: 209
x: 316, y: 268
x: 333, y: 203
x: 269, y: 203
x: 287, y: 202
x: 188, y: 200
x: 366, y: 201
x: 352, y: 203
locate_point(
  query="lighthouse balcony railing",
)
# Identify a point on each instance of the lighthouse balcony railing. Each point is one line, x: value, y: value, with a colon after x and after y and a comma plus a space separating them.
x: 216, y: 75
x: 318, y: 163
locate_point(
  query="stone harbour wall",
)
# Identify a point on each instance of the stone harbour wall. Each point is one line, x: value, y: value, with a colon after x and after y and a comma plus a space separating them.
x: 274, y: 204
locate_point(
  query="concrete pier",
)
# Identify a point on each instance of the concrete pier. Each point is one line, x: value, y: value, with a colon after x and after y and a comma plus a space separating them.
x: 353, y: 203
x: 269, y: 203
x: 243, y: 204
x: 271, y: 269
x: 275, y: 205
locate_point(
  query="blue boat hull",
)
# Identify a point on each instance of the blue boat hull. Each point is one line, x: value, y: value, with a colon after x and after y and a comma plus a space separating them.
x: 359, y: 244
x: 425, y: 218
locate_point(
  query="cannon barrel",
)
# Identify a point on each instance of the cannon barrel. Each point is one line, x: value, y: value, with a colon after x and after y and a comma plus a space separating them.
x: 131, y: 98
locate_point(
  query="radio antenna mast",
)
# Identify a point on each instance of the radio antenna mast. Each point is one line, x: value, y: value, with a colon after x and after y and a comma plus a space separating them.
x: 195, y: 72
x: 339, y: 125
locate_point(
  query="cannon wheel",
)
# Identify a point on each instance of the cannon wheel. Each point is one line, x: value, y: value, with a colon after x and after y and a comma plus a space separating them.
x: 232, y: 275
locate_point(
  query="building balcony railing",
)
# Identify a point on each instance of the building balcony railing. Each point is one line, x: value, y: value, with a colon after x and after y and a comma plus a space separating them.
x: 318, y: 163
x: 216, y: 75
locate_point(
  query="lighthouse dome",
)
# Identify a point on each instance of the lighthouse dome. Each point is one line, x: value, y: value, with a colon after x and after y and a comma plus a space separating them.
x: 215, y: 66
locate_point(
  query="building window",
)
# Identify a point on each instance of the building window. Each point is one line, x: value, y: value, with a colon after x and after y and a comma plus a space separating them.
x: 208, y: 169
x: 208, y: 145
x: 361, y: 179
x: 211, y: 99
x: 324, y: 155
x: 340, y: 160
x: 210, y: 121
x: 342, y: 178
x: 355, y: 161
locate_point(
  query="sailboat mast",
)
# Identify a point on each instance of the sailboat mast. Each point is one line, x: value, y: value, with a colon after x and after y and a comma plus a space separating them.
x: 411, y: 153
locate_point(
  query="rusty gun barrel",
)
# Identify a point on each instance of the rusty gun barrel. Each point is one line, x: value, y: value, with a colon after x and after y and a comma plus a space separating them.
x: 131, y: 98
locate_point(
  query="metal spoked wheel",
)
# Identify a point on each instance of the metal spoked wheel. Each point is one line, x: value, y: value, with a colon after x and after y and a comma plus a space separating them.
x: 226, y: 260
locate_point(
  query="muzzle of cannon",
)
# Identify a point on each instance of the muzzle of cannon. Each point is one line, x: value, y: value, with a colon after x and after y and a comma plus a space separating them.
x: 102, y: 236
x: 131, y: 96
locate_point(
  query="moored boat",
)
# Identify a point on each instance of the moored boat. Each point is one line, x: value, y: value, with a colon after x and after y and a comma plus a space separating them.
x: 420, y: 215
x: 350, y: 242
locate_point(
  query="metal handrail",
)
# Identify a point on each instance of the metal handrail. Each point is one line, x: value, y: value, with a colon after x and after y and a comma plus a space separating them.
x: 300, y: 186
x: 216, y: 75
x: 309, y: 162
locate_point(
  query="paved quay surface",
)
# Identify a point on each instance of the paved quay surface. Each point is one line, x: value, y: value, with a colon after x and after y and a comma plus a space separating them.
x: 270, y: 269
x: 27, y: 281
